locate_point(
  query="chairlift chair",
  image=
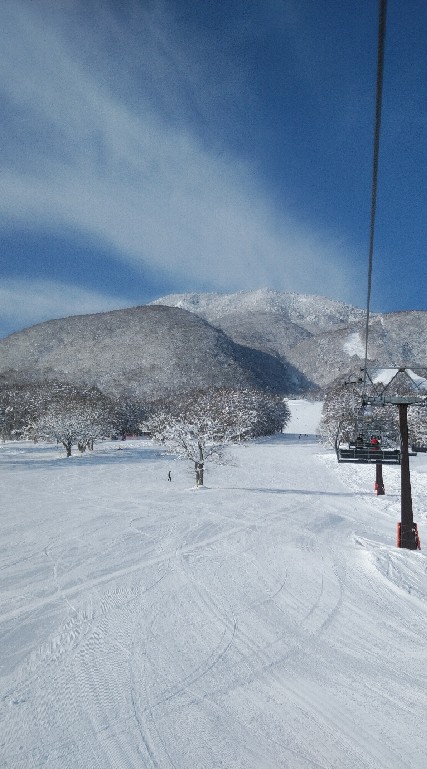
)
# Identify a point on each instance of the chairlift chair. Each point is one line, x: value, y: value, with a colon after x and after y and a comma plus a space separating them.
x: 368, y: 454
x: 366, y: 446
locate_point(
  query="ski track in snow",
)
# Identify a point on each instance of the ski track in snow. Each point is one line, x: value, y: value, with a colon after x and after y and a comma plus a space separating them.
x: 266, y: 620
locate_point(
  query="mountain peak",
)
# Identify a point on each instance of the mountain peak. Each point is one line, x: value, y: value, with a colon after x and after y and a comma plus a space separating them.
x: 307, y: 310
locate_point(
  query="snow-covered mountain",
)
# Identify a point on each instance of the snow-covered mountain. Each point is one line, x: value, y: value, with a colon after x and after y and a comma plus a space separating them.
x: 283, y: 341
x: 322, y: 338
x: 310, y: 312
x: 143, y: 351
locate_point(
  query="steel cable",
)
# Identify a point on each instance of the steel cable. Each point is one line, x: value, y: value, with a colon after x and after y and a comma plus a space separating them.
x: 378, y: 106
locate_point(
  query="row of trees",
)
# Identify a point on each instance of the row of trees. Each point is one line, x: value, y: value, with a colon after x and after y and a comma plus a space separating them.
x: 196, y: 425
x: 64, y: 413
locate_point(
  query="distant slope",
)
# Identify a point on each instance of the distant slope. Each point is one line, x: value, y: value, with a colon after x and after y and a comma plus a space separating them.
x: 320, y: 337
x: 145, y: 351
x: 305, y: 417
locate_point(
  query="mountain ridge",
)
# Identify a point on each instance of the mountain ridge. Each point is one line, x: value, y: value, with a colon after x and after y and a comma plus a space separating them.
x: 280, y: 341
x: 326, y: 337
x: 308, y: 308
x: 143, y: 351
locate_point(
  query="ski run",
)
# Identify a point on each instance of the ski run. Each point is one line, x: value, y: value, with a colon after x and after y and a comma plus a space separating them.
x: 266, y: 620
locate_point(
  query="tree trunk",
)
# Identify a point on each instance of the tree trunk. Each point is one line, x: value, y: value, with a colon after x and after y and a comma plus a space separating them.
x: 199, y: 467
x: 379, y: 481
x: 67, y: 447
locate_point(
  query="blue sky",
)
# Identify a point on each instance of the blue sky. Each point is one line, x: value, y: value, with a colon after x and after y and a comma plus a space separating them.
x: 159, y: 146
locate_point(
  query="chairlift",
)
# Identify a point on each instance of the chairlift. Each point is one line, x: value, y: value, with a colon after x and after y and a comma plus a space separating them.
x: 366, y: 446
x: 368, y: 453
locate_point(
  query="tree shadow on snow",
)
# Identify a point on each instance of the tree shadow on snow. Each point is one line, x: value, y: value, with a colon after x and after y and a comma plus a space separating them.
x: 304, y: 492
x: 114, y: 456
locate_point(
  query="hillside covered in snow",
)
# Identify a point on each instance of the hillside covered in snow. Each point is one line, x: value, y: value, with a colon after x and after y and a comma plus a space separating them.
x: 145, y: 351
x: 322, y: 338
x: 284, y: 342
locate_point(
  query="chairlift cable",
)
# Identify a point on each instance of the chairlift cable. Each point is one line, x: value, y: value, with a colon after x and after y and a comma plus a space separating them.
x: 378, y: 105
x: 407, y: 529
x: 367, y: 453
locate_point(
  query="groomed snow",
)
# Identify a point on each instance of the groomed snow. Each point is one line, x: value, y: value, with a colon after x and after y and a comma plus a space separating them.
x: 267, y: 620
x: 305, y: 417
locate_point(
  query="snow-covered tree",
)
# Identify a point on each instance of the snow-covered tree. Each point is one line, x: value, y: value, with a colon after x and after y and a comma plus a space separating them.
x: 73, y: 417
x: 198, y: 425
x: 342, y: 401
x: 128, y: 416
x: 17, y: 409
x: 6, y: 421
x: 417, y: 425
x: 268, y: 413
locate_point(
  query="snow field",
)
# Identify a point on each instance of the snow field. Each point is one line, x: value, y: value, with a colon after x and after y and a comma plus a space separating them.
x: 266, y: 620
x: 305, y: 417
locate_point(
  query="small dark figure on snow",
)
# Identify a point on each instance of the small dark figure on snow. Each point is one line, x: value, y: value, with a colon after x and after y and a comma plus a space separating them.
x: 169, y: 476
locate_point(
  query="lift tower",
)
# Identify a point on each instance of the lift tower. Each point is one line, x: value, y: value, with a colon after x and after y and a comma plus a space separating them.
x: 407, y: 529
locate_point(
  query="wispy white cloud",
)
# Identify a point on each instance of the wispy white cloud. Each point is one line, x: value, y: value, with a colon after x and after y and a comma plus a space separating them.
x: 23, y: 302
x: 113, y: 153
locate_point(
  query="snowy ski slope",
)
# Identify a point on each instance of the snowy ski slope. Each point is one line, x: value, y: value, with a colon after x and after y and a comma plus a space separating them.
x: 264, y: 621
